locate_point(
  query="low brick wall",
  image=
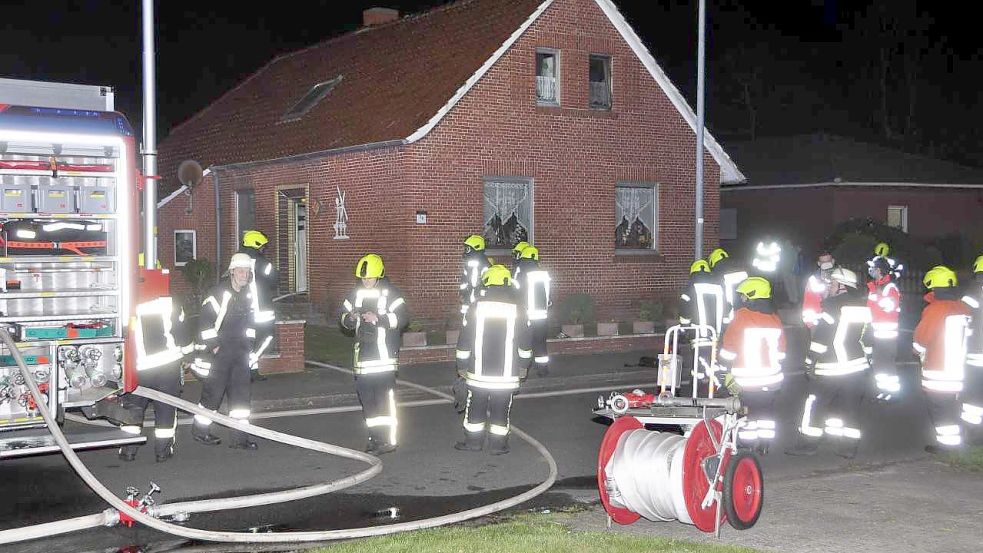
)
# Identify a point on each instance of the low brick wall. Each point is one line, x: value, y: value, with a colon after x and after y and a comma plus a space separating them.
x: 599, y: 344
x: 290, y: 349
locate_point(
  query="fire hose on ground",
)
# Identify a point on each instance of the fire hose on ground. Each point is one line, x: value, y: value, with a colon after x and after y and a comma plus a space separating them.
x: 149, y: 516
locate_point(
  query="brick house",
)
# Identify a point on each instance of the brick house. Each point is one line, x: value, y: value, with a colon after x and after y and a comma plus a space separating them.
x: 544, y: 120
x: 802, y: 187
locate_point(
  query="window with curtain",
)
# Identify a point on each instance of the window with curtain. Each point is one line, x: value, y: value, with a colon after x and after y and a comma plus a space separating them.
x: 507, y: 212
x: 636, y: 216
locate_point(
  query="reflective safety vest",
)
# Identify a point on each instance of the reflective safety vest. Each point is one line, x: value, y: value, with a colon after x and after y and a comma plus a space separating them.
x: 160, y: 333
x: 884, y: 301
x: 729, y: 283
x: 837, y: 341
x: 702, y: 304
x: 766, y: 257
x: 376, y: 345
x: 753, y: 347
x: 940, y: 340
x: 812, y: 300
x: 227, y: 318
x: 495, y: 344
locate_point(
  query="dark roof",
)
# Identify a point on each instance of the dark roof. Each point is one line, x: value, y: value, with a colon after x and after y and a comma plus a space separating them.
x: 823, y: 158
x: 395, y: 77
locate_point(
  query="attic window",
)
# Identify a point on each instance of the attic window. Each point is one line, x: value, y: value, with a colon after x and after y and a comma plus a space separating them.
x: 311, y: 99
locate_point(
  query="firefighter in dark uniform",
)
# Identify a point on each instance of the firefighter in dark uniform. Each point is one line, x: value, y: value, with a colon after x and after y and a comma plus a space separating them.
x: 533, y: 284
x: 494, y: 352
x: 263, y: 287
x: 972, y: 398
x: 702, y: 303
x: 162, y: 340
x: 729, y: 275
x: 475, y: 263
x: 376, y: 312
x: 226, y: 339
x: 839, y: 367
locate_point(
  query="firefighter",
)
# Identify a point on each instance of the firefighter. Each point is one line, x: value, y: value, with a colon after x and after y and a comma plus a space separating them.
x: 753, y: 348
x: 533, y: 284
x: 702, y: 303
x: 838, y: 363
x: 162, y: 340
x: 226, y: 339
x: 729, y: 276
x: 767, y: 257
x: 884, y: 301
x: 972, y: 407
x: 815, y: 290
x: 940, y: 342
x: 493, y: 351
x: 517, y: 249
x: 263, y: 288
x: 475, y: 263
x: 376, y: 312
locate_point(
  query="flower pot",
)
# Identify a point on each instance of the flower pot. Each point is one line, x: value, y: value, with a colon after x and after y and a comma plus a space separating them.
x: 452, y: 336
x: 414, y: 339
x: 643, y: 327
x: 573, y: 331
x: 607, y: 329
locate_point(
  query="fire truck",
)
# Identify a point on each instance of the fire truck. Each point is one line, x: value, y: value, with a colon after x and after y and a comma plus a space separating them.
x: 69, y: 237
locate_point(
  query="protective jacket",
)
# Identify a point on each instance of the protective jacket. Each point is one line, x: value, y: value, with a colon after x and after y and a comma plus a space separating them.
x: 227, y: 321
x: 754, y: 346
x: 376, y: 345
x: 884, y: 301
x: 940, y: 340
x: 494, y: 346
x: 812, y: 299
x: 837, y: 341
x: 974, y: 299
x: 533, y: 285
x: 729, y: 275
x: 703, y: 302
x: 161, y: 334
x: 475, y: 263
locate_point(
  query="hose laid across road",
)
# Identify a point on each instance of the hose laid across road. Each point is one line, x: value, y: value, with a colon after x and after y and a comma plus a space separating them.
x: 110, y: 517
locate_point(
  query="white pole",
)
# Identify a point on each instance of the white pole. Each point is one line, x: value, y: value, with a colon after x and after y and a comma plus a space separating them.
x: 701, y: 54
x: 149, y: 140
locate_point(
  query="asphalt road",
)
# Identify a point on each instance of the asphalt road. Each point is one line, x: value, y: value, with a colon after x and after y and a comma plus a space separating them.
x: 425, y: 477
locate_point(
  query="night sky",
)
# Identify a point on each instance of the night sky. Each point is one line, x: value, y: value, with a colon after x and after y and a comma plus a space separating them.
x: 896, y: 72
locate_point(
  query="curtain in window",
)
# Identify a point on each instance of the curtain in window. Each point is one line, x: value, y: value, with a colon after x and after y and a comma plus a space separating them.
x: 634, y: 217
x: 507, y: 213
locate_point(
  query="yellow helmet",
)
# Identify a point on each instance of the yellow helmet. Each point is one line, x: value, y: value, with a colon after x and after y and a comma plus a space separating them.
x: 475, y: 242
x: 882, y: 249
x: 716, y: 255
x: 699, y: 266
x: 940, y: 276
x: 254, y: 239
x: 496, y: 275
x: 978, y: 265
x: 529, y: 252
x: 517, y: 249
x: 370, y: 266
x: 755, y: 288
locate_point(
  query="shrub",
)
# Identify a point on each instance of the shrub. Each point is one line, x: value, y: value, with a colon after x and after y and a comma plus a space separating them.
x: 852, y: 243
x: 200, y: 274
x: 577, y: 309
x: 650, y: 310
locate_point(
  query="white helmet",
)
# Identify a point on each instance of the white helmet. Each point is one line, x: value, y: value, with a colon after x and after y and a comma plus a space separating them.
x: 845, y: 277
x: 240, y: 260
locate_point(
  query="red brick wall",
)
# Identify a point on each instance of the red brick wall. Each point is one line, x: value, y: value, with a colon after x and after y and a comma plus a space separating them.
x: 290, y: 357
x: 932, y: 212
x: 575, y: 156
x: 803, y: 215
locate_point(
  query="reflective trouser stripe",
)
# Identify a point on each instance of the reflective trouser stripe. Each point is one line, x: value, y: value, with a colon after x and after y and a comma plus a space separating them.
x: 202, y: 420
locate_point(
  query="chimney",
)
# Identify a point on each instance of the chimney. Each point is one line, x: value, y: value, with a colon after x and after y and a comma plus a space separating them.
x: 379, y: 16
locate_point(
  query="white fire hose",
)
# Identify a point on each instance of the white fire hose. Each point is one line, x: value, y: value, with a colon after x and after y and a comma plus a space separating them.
x: 111, y: 516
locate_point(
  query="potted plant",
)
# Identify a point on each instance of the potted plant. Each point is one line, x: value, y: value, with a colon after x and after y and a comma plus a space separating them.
x: 609, y: 328
x: 648, y: 312
x: 576, y: 310
x: 414, y: 335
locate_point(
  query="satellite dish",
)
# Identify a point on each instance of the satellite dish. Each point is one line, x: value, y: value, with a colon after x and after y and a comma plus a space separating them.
x: 189, y: 173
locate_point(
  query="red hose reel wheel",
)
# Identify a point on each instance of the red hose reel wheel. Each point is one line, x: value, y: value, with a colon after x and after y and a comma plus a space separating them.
x: 744, y: 491
x: 608, y: 446
x: 699, y: 447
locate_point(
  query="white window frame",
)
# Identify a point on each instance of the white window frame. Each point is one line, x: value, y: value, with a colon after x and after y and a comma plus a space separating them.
x: 654, y: 186
x: 558, y: 76
x: 531, y: 187
x: 608, y: 80
x: 903, y: 210
x: 194, y: 246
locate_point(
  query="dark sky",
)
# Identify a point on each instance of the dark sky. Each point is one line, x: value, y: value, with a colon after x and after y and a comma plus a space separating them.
x: 899, y: 72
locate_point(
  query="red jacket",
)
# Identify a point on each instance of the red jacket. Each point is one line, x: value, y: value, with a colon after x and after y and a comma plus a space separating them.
x: 812, y: 300
x: 884, y: 301
x: 754, y: 346
x: 940, y: 341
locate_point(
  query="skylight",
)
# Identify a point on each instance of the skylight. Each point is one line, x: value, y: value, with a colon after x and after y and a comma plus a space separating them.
x: 311, y: 99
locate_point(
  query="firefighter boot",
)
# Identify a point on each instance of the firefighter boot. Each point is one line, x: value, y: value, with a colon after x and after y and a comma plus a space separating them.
x: 473, y: 441
x: 372, y: 447
x: 164, y: 450
x: 846, y: 448
x: 201, y: 434
x: 128, y: 453
x: 498, y: 445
